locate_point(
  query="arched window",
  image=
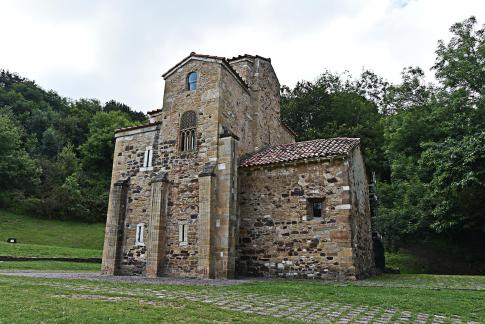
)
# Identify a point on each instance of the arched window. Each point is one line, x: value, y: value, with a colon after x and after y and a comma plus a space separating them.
x: 188, y: 123
x: 192, y: 81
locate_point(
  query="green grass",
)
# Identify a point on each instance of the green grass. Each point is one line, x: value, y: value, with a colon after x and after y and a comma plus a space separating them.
x: 36, y: 300
x: 25, y: 302
x: 465, y: 303
x: 47, y: 251
x: 49, y: 265
x: 406, y: 262
x: 49, y: 238
x: 30, y: 230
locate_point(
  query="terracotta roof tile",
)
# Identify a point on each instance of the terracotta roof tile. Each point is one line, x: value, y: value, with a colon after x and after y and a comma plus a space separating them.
x: 301, y: 150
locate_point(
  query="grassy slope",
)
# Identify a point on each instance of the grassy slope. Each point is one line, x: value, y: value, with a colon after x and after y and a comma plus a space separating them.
x: 50, y: 265
x: 49, y: 238
x: 37, y: 231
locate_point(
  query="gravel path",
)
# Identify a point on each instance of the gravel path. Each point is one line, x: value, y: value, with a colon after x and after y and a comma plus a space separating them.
x: 133, y: 279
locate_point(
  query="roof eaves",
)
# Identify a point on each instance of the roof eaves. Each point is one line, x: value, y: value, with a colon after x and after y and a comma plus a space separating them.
x: 235, y: 58
x: 297, y: 161
x: 154, y: 111
x: 135, y: 127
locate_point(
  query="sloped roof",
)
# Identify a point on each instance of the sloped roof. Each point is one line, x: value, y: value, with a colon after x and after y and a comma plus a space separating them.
x: 301, y: 150
x: 220, y: 59
x: 235, y: 58
x: 135, y: 127
x: 154, y: 111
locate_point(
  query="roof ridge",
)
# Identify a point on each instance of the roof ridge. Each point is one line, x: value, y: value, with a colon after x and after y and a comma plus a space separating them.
x: 234, y: 58
x: 310, y: 149
x: 224, y: 60
x: 122, y: 129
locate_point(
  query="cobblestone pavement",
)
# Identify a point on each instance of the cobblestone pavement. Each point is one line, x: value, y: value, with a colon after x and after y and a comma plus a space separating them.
x: 257, y: 304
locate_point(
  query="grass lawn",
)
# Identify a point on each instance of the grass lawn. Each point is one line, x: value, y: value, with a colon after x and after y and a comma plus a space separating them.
x: 20, y: 249
x: 49, y: 238
x: 407, y: 263
x: 56, y: 300
x: 29, y: 303
x: 29, y: 230
x: 49, y: 265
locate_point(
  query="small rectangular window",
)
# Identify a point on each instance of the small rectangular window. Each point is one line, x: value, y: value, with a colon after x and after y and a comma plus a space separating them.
x: 140, y: 228
x: 147, y: 159
x: 183, y: 233
x: 316, y: 208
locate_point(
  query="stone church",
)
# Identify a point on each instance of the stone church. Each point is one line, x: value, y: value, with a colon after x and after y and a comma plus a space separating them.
x: 215, y: 186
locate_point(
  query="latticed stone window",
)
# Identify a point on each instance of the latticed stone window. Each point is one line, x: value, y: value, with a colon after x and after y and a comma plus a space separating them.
x: 188, y: 139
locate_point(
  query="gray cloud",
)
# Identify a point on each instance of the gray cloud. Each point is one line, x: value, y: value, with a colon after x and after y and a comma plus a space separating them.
x: 119, y: 49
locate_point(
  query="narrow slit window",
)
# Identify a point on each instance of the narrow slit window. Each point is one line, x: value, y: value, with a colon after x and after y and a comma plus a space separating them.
x: 183, y: 233
x: 188, y: 138
x: 147, y: 159
x: 140, y: 228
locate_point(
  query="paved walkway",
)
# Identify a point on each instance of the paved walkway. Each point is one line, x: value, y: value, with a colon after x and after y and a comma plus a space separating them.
x: 257, y: 304
x: 134, y: 279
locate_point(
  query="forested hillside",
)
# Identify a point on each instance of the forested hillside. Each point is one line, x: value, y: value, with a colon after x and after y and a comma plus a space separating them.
x: 425, y: 142
x: 55, y: 153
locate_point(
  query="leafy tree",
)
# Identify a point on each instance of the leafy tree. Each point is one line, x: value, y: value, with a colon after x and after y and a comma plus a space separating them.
x: 331, y: 107
x: 51, y: 142
x: 434, y: 142
x: 113, y: 105
x: 38, y: 171
x: 97, y: 151
x: 17, y: 169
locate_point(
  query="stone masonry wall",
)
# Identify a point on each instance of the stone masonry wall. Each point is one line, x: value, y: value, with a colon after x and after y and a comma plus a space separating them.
x: 236, y: 112
x: 361, y: 219
x: 128, y: 159
x: 182, y: 170
x: 264, y: 114
x: 276, y: 236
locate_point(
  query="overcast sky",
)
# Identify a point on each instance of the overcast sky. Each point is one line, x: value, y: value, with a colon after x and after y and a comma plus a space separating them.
x: 119, y: 49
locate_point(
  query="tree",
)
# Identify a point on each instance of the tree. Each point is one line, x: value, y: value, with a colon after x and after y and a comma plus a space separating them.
x: 331, y: 107
x: 17, y: 169
x: 434, y: 142
x: 97, y: 151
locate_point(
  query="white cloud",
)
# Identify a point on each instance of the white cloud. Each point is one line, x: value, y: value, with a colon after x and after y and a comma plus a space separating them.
x: 119, y: 49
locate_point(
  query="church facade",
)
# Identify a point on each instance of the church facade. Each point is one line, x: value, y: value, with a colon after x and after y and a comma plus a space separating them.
x: 215, y: 186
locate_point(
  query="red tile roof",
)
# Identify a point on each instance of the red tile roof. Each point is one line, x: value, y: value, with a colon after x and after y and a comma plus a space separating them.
x: 301, y: 150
